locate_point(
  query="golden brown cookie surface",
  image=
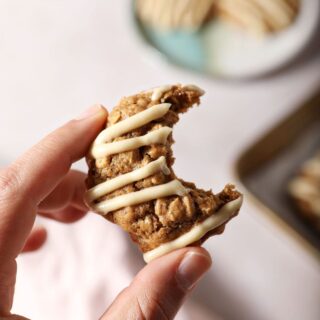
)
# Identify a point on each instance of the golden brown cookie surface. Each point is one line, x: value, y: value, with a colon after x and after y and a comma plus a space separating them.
x: 132, y: 183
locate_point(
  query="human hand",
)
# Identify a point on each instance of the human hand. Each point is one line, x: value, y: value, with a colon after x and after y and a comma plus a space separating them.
x: 40, y: 181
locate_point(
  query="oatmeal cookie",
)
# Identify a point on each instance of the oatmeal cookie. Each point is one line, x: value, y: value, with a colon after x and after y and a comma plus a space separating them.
x: 259, y: 16
x: 304, y: 190
x: 169, y: 15
x: 131, y: 181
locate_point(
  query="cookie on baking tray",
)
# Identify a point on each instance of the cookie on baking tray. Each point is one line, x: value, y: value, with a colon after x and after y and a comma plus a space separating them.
x: 131, y: 181
x: 304, y: 189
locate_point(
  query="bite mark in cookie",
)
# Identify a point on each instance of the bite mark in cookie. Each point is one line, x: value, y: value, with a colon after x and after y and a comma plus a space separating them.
x: 132, y: 183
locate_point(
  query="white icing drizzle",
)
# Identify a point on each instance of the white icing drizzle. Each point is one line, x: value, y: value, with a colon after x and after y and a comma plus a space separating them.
x: 194, y: 88
x: 132, y: 123
x: 158, y: 92
x: 134, y: 198
x: 157, y: 136
x: 197, y: 232
x: 125, y: 179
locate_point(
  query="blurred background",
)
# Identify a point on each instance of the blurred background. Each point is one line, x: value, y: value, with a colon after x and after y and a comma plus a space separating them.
x: 258, y: 126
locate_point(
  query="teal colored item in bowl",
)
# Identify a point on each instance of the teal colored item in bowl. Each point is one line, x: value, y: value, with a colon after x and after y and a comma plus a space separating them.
x: 184, y: 48
x: 225, y: 51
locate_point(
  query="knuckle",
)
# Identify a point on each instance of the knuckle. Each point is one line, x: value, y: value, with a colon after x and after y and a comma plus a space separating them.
x: 49, y: 145
x: 140, y: 314
x: 152, y: 307
x: 10, y: 183
x: 52, y: 145
x: 50, y: 148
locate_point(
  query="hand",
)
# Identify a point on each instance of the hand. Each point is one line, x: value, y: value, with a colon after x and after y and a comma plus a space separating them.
x: 41, y: 182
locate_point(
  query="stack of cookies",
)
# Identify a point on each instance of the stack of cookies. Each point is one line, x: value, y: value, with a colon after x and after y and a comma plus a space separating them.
x: 174, y: 14
x: 258, y: 17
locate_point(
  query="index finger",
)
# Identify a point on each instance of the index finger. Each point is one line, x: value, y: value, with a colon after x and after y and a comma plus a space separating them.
x: 25, y: 183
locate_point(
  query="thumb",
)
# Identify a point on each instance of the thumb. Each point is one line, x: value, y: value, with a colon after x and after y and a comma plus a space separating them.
x: 158, y: 291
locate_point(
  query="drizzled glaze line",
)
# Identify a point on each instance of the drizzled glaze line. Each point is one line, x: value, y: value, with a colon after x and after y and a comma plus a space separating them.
x: 158, y: 92
x: 133, y: 122
x: 197, y: 232
x: 125, y: 179
x: 194, y: 88
x: 157, y: 136
x: 145, y: 195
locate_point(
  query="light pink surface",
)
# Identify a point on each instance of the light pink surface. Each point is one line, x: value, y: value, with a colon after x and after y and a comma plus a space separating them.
x: 58, y: 57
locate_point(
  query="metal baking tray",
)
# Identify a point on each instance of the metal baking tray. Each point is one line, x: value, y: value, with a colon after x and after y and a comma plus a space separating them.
x: 266, y: 167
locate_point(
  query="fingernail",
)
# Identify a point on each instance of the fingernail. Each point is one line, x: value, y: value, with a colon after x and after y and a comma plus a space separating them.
x: 191, y: 269
x: 90, y: 112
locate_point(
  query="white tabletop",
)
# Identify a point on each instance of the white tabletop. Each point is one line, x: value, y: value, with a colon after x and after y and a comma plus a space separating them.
x: 58, y: 57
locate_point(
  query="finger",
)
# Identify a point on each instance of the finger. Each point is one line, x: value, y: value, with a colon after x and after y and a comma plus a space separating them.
x: 14, y: 317
x: 34, y: 175
x: 44, y: 165
x: 70, y: 191
x: 66, y: 215
x: 36, y: 239
x: 159, y: 290
x: 25, y: 183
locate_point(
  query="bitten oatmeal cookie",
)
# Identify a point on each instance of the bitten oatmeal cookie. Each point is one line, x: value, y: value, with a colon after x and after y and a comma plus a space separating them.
x: 131, y: 181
